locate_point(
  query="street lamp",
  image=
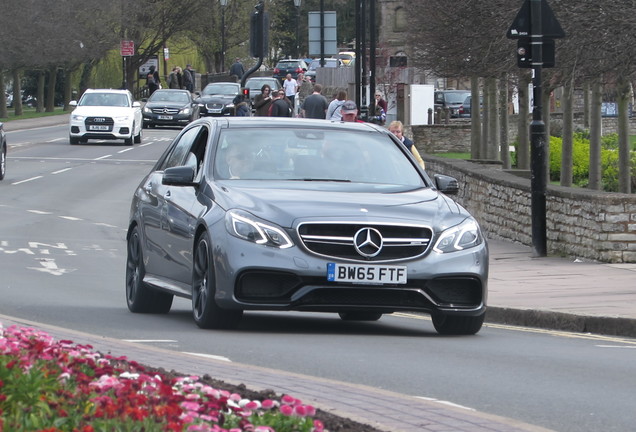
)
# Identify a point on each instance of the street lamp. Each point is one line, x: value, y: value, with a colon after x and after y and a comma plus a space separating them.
x: 223, y: 4
x: 297, y: 4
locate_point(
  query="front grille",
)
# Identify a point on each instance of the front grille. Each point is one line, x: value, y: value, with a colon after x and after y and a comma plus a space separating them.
x: 165, y: 111
x: 211, y: 106
x: 99, y: 124
x: 336, y: 240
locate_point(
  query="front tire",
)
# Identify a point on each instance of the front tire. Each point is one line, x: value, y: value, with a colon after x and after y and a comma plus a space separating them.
x: 138, y: 137
x: 207, y: 314
x: 457, y: 324
x: 73, y: 140
x: 139, y: 296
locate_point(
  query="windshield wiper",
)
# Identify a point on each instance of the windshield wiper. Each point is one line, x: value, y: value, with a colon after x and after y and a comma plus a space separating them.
x: 322, y: 179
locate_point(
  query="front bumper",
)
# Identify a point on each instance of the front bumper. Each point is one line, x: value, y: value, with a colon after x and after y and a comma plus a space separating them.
x: 295, y: 279
x: 110, y: 128
x: 166, y: 119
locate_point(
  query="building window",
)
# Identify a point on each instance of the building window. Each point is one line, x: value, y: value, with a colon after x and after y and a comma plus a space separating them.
x: 399, y: 24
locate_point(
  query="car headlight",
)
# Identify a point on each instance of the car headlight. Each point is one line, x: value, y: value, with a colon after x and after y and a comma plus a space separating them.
x: 231, y: 105
x: 460, y: 237
x: 185, y: 111
x: 246, y: 226
x: 147, y: 110
x: 77, y: 117
x: 122, y: 118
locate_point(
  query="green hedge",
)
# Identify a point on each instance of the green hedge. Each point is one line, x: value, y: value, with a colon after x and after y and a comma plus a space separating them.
x: 581, y: 161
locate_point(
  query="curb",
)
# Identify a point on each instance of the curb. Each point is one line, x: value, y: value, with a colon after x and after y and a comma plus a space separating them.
x: 609, y: 326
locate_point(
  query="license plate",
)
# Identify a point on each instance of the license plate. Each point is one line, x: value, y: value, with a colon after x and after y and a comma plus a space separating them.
x: 216, y: 110
x: 362, y: 273
x: 99, y: 127
x: 164, y: 117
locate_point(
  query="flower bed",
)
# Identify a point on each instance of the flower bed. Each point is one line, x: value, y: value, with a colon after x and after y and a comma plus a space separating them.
x: 50, y: 386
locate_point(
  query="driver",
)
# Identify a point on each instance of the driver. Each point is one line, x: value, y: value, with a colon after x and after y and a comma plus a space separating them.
x: 239, y: 161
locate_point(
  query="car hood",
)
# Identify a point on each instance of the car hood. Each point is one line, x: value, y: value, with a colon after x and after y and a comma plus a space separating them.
x: 102, y: 111
x: 289, y: 206
x: 223, y: 99
x: 166, y: 104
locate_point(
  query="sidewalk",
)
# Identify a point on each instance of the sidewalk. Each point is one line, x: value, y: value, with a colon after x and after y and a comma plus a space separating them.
x: 560, y: 293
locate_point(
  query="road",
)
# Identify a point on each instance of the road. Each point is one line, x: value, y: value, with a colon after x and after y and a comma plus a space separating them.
x: 63, y: 215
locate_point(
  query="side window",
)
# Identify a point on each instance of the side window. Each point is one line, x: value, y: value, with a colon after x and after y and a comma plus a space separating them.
x: 180, y: 150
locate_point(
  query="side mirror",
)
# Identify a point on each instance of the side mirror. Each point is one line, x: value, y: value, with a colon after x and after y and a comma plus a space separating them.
x: 178, y: 176
x: 72, y: 103
x: 136, y: 104
x: 446, y: 184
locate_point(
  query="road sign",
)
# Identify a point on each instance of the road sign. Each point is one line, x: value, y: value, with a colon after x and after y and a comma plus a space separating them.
x: 127, y: 48
x: 550, y: 27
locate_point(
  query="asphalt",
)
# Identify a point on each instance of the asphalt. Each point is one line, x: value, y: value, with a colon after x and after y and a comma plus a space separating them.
x: 557, y: 293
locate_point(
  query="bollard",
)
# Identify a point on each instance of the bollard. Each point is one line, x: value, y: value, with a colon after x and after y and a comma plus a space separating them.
x: 446, y: 116
x: 430, y: 116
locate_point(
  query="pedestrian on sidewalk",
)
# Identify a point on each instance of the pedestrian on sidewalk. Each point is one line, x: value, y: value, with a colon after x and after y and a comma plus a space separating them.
x: 315, y: 105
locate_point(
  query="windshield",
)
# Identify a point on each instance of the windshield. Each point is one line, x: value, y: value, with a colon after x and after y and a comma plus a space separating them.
x: 221, y: 89
x: 328, y: 63
x: 313, y: 155
x: 104, y: 99
x: 169, y: 96
x: 456, y: 98
x: 288, y: 65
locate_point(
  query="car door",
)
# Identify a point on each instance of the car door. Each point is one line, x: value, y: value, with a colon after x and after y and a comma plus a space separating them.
x: 154, y: 210
x: 178, y: 219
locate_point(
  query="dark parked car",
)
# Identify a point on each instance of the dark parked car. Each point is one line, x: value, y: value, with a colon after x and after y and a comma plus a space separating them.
x: 293, y: 214
x: 217, y: 99
x: 3, y: 152
x: 315, y: 64
x: 464, y: 109
x: 451, y: 99
x: 170, y: 107
x: 289, y: 66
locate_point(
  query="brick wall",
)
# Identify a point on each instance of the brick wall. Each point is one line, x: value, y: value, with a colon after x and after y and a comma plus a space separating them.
x: 580, y: 222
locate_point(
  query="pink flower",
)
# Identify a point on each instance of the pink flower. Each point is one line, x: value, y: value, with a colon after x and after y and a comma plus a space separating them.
x: 268, y: 404
x: 286, y: 410
x: 300, y: 411
x: 288, y: 400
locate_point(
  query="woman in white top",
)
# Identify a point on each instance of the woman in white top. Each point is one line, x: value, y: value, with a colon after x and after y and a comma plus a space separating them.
x: 333, y: 111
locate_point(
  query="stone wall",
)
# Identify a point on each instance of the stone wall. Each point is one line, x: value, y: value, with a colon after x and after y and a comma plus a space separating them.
x: 580, y: 223
x: 455, y: 137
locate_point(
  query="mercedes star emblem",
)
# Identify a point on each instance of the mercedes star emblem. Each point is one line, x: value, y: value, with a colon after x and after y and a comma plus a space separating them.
x: 368, y: 242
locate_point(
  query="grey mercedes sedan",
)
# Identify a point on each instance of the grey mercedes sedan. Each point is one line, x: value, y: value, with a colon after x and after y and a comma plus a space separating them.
x: 284, y: 214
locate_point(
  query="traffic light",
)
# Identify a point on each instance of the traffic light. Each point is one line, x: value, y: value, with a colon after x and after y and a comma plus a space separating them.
x: 246, y: 93
x: 259, y: 32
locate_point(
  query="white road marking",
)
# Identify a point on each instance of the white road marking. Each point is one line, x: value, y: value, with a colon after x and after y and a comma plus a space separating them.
x: 149, y: 340
x: 61, y: 171
x: 49, y: 266
x: 103, y: 157
x: 39, y: 212
x: 104, y: 225
x: 443, y: 402
x: 27, y: 180
x: 210, y: 356
x: 56, y: 139
x: 70, y: 218
x: 125, y: 150
x: 616, y: 346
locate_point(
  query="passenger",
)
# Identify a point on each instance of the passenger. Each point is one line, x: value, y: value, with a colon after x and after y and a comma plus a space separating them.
x: 395, y: 127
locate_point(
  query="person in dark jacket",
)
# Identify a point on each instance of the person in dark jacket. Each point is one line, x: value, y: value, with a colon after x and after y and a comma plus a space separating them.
x: 281, y: 106
x: 263, y: 101
x: 237, y: 69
